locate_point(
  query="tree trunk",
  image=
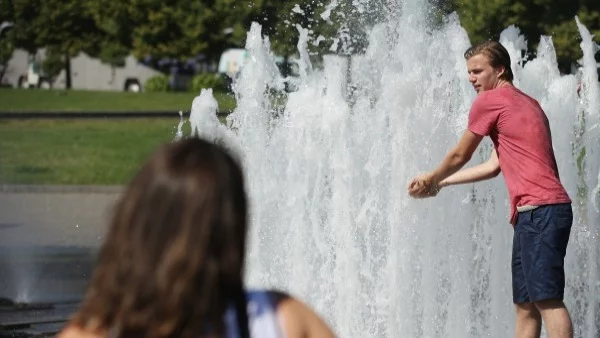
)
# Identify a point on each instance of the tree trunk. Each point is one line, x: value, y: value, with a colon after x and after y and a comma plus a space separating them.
x: 67, y: 72
x: 2, y: 72
x: 113, y: 74
x: 285, y: 66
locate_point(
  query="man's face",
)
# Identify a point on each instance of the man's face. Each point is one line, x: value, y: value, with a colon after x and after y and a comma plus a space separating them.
x: 481, y: 74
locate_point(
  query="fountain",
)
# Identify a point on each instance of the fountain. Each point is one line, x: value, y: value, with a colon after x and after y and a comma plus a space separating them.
x: 331, y: 219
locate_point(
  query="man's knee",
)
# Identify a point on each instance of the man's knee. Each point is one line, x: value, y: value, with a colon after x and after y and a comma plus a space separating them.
x: 549, y: 304
x: 527, y: 310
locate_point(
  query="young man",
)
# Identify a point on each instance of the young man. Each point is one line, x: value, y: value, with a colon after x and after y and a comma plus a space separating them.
x: 540, y: 207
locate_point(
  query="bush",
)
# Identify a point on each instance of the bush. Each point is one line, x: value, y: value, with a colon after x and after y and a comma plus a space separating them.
x: 157, y: 83
x: 208, y: 80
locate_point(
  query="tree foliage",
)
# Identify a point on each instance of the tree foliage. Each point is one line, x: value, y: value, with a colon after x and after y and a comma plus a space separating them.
x: 336, y: 26
x: 485, y: 19
x: 52, y: 65
x: 6, y: 51
x: 228, y: 21
x: 115, y: 26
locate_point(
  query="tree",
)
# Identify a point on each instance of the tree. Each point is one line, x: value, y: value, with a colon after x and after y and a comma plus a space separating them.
x: 279, y: 20
x: 175, y: 30
x: 485, y: 19
x: 6, y: 51
x: 6, y: 37
x: 52, y: 65
x: 21, y: 13
x: 226, y: 23
x: 116, y: 28
x: 167, y: 29
x: 19, y: 35
x: 67, y: 27
x: 335, y: 27
x: 566, y: 37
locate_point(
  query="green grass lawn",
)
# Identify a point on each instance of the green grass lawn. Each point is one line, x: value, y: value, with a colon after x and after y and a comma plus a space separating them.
x: 95, y: 151
x: 85, y: 151
x: 21, y: 100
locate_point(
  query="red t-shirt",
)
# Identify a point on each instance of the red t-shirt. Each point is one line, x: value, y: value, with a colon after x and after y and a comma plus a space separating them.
x: 520, y: 131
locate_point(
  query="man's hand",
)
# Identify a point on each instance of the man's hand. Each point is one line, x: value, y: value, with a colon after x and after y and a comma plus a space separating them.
x: 429, y: 185
x: 423, y: 187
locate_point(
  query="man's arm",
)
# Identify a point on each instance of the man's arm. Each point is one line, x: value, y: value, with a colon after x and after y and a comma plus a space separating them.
x: 428, y: 184
x: 457, y: 157
x: 484, y: 171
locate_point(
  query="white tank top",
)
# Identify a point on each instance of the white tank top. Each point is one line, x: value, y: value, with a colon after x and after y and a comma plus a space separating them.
x: 262, y: 317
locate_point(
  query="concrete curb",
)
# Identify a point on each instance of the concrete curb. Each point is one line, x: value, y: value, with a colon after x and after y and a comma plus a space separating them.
x: 78, y: 189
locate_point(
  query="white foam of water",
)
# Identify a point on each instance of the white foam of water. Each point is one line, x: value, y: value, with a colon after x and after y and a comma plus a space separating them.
x: 328, y: 9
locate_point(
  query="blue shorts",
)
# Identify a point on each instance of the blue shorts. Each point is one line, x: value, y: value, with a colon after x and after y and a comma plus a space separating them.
x: 539, y: 247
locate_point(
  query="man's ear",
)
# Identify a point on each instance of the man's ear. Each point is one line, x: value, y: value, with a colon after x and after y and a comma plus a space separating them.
x: 501, y: 70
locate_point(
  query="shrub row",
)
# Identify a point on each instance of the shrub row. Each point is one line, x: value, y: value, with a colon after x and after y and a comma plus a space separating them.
x: 160, y: 83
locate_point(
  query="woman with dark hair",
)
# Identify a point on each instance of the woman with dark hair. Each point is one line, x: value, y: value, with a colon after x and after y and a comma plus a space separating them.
x: 173, y: 259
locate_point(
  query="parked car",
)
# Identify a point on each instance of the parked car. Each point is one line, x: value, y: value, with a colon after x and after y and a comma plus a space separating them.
x: 232, y: 60
x: 33, y: 78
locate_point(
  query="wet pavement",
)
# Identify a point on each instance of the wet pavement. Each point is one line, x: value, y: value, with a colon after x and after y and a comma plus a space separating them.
x: 35, y: 320
x: 49, y: 237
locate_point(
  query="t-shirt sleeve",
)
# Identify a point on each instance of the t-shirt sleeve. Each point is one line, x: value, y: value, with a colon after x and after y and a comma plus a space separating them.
x: 483, y: 115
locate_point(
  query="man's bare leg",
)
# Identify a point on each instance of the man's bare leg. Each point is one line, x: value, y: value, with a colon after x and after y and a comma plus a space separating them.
x: 556, y: 318
x: 529, y: 321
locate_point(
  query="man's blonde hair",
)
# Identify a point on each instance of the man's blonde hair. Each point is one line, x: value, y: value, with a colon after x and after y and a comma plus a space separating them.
x: 497, y: 56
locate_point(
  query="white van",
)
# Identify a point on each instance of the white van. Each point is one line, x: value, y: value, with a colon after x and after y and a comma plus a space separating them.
x: 232, y: 60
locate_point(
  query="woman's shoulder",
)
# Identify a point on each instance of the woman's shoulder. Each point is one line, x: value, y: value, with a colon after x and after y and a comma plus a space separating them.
x: 73, y: 331
x: 296, y: 318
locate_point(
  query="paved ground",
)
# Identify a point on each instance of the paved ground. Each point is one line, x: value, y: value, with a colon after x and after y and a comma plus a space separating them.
x: 54, y: 218
x: 48, y: 239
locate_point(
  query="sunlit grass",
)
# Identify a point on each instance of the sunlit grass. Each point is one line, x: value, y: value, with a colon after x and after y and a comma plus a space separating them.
x: 36, y: 100
x: 95, y: 151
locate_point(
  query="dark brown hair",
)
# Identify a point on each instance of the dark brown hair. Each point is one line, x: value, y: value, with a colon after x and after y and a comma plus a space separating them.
x: 496, y: 54
x: 172, y: 261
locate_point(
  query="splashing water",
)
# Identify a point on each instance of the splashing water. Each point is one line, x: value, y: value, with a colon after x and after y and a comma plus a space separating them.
x: 179, y: 130
x: 331, y: 219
